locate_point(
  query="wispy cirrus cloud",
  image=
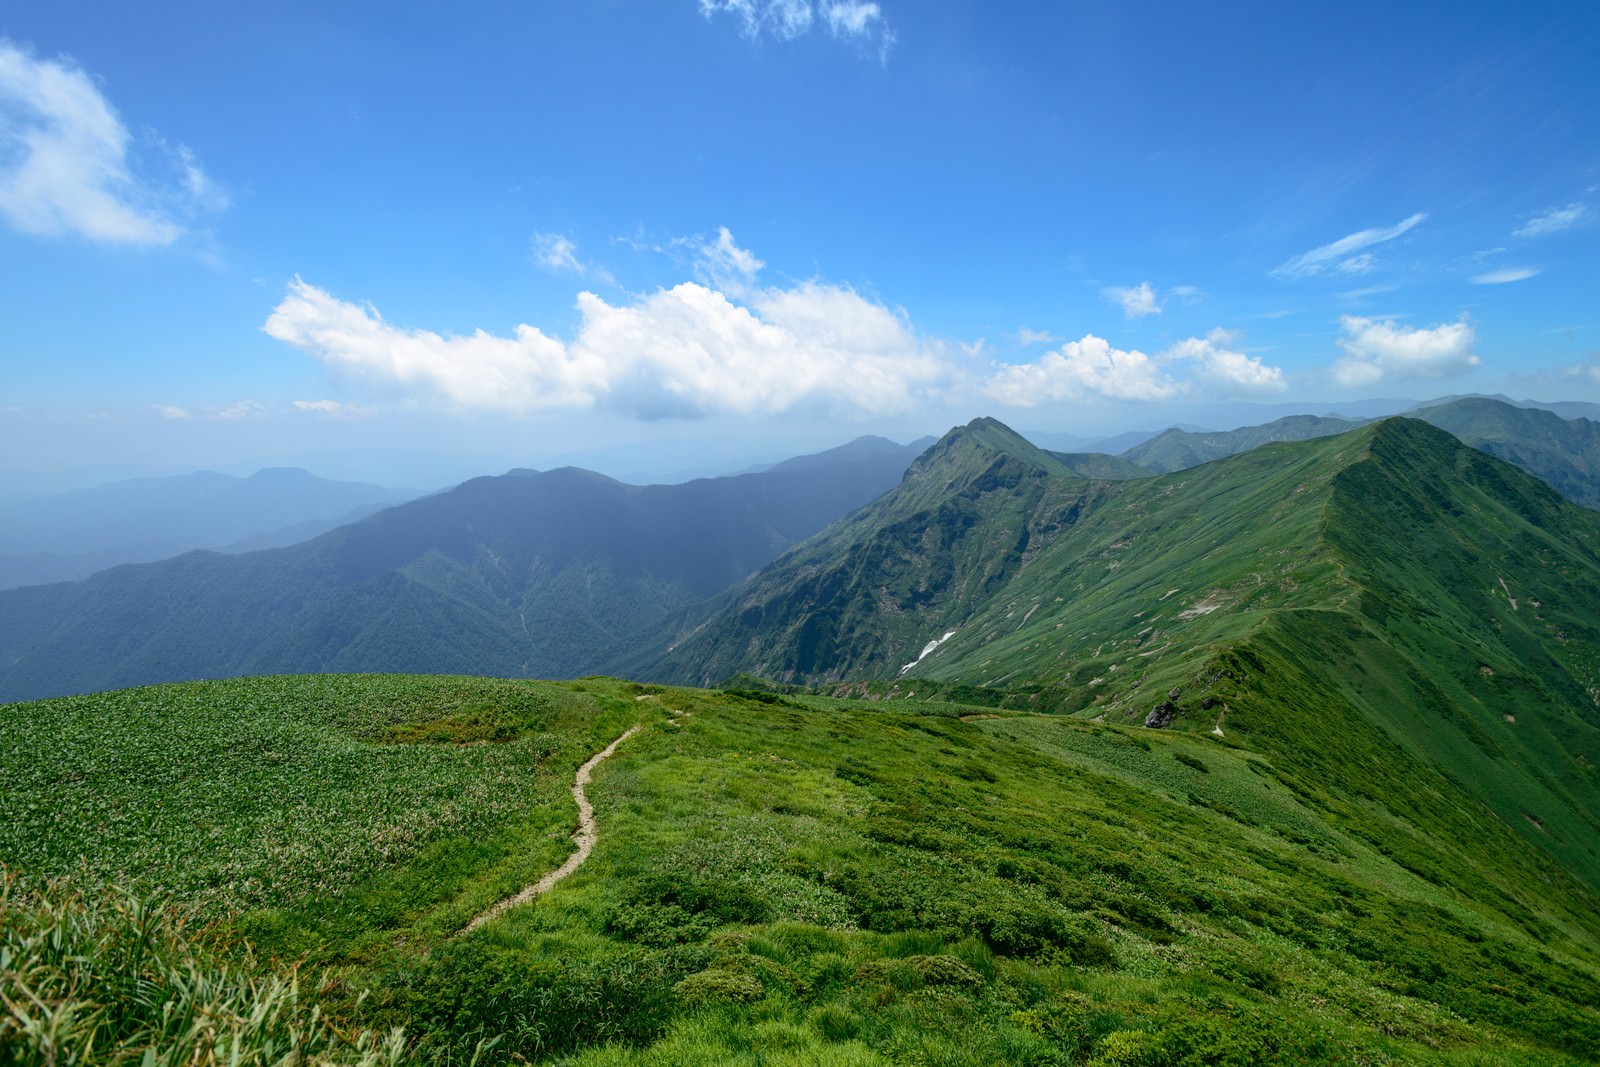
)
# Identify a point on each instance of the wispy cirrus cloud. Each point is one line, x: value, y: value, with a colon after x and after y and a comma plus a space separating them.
x: 858, y: 21
x: 558, y: 254
x: 68, y: 165
x: 1505, y: 276
x: 719, y: 262
x: 332, y: 409
x: 1375, y: 349
x: 241, y: 409
x: 1345, y: 255
x: 1555, y: 220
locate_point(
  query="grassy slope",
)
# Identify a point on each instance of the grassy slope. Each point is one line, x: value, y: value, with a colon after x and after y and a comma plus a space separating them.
x: 807, y: 879
x: 1390, y: 545
x: 865, y: 596
x: 1564, y: 452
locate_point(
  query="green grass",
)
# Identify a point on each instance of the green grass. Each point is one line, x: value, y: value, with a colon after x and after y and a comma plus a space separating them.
x: 106, y: 978
x: 347, y: 802
x: 790, y: 878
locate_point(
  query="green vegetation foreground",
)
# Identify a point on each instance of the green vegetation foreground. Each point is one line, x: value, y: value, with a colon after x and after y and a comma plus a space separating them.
x: 791, y: 879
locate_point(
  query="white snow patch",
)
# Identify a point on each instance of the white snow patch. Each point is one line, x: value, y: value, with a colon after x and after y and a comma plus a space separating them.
x: 1205, y: 605
x: 927, y: 648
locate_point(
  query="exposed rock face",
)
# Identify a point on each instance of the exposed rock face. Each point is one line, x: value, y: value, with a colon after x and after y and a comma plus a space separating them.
x: 1161, y: 715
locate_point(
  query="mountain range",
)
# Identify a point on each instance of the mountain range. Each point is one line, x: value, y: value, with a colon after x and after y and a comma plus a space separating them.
x: 71, y: 535
x: 1406, y: 586
x: 993, y: 753
x: 529, y: 573
x: 567, y: 572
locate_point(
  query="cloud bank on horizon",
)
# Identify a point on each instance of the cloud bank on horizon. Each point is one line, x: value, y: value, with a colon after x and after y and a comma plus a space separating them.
x: 727, y: 345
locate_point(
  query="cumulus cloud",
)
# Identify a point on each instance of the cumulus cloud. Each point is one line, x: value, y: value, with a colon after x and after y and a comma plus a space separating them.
x: 1505, y: 275
x: 1027, y: 338
x: 69, y: 166
x: 1081, y: 370
x: 173, y: 411
x: 1553, y: 221
x: 1343, y: 253
x: 1094, y: 369
x: 1225, y: 370
x: 786, y: 20
x: 684, y: 352
x: 1135, y: 302
x: 1376, y: 349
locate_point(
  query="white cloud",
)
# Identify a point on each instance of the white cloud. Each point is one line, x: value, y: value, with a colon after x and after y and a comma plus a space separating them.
x: 1136, y: 302
x: 1082, y: 370
x: 1027, y: 338
x: 1554, y: 221
x: 1343, y: 251
x: 556, y: 252
x: 722, y: 264
x: 1378, y: 349
x: 1093, y: 369
x: 683, y: 352
x: 332, y: 409
x: 851, y: 18
x: 1189, y: 294
x: 1507, y: 274
x: 243, y: 409
x: 66, y: 166
x: 1225, y: 370
x: 173, y: 411
x: 786, y: 20
x: 1355, y: 296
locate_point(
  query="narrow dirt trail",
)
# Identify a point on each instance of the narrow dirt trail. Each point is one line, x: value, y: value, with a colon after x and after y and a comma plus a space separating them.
x: 583, y: 838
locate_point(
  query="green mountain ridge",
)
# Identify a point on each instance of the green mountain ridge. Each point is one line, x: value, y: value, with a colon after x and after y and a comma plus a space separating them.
x: 1176, y: 449
x: 1561, y: 449
x: 1287, y: 757
x: 1565, y: 452
x: 1133, y: 601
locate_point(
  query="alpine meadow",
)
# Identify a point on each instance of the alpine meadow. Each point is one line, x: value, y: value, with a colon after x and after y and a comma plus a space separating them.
x: 799, y: 533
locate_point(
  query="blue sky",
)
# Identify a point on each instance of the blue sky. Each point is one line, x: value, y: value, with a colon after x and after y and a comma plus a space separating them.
x: 389, y: 241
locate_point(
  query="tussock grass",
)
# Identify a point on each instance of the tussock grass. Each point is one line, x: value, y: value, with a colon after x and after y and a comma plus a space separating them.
x: 105, y: 978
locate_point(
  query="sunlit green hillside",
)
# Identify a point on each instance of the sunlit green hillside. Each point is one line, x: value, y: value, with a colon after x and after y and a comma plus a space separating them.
x: 794, y: 879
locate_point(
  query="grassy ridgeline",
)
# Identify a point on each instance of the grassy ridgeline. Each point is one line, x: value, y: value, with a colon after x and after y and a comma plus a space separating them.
x: 787, y: 880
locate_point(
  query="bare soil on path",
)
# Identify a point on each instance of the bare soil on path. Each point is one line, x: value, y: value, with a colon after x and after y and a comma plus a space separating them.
x: 583, y: 839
